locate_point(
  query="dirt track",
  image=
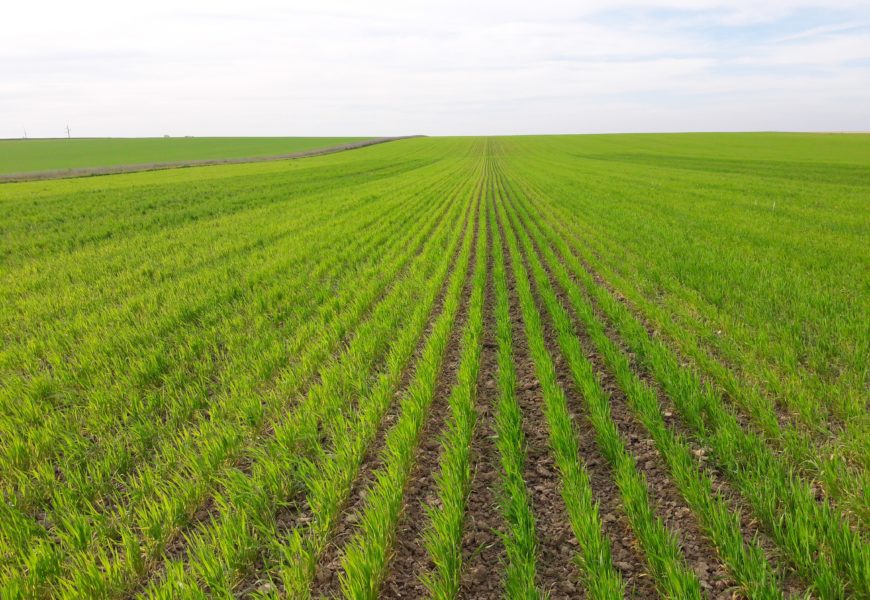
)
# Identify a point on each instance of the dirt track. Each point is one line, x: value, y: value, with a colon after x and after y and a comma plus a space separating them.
x: 95, y: 171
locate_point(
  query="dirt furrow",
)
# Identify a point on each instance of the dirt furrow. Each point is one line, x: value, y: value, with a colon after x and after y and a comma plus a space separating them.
x: 785, y: 418
x: 326, y: 581
x: 409, y: 558
x: 294, y: 513
x: 667, y: 501
x: 749, y: 526
x: 482, y: 549
x: 557, y: 547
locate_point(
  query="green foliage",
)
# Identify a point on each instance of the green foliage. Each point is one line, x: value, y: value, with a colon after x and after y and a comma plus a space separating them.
x: 23, y: 156
x: 195, y: 364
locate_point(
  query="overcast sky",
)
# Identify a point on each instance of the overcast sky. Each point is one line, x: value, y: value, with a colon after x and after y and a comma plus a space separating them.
x: 373, y: 67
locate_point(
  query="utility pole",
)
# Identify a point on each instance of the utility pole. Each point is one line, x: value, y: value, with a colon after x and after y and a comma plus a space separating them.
x: 67, y: 132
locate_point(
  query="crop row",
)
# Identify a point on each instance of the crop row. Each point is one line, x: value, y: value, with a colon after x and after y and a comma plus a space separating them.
x: 237, y: 393
x: 552, y: 283
x: 831, y: 556
x: 152, y: 507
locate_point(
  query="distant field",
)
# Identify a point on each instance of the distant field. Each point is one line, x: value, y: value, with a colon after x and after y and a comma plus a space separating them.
x: 24, y: 156
x: 613, y: 367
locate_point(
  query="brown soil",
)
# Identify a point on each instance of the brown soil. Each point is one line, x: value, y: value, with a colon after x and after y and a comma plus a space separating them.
x: 557, y: 547
x: 785, y: 420
x: 482, y: 550
x: 409, y: 558
x: 784, y: 415
x: 327, y: 581
x: 296, y: 512
x: 749, y: 526
x: 666, y: 500
x: 176, y: 549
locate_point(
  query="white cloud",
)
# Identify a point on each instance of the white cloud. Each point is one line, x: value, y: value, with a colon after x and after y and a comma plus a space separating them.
x: 383, y: 67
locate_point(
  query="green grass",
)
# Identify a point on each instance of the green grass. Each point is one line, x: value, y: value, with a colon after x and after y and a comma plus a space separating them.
x: 597, y: 572
x: 757, y: 269
x: 520, y: 538
x: 443, y: 538
x: 25, y: 156
x: 365, y: 556
x: 747, y: 562
x: 195, y: 364
x: 673, y: 577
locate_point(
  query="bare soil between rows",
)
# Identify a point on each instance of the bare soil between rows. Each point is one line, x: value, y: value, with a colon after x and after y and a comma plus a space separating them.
x: 715, y: 579
x: 293, y: 513
x: 409, y: 558
x: 482, y: 548
x: 666, y: 500
x: 557, y: 547
x: 327, y: 576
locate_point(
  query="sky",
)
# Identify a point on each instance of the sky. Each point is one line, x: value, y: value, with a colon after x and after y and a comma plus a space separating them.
x: 451, y: 67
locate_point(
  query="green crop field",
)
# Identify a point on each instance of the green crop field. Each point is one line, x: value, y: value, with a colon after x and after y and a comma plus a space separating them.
x: 27, y: 156
x: 511, y: 367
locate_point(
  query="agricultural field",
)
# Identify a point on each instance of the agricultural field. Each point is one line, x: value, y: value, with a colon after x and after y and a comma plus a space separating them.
x: 57, y: 155
x: 629, y: 366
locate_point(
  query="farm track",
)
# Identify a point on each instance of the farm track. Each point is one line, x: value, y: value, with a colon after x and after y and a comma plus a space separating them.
x: 96, y: 171
x: 423, y: 387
